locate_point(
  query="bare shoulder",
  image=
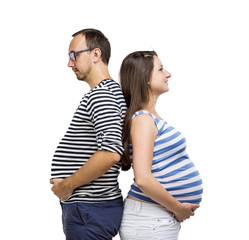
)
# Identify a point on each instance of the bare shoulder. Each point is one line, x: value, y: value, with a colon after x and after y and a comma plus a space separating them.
x: 143, y: 124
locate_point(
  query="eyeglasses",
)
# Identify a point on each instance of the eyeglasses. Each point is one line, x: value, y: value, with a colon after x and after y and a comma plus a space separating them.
x: 73, y: 54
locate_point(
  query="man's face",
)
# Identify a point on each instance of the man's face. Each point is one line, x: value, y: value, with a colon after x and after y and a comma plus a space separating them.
x: 81, y: 66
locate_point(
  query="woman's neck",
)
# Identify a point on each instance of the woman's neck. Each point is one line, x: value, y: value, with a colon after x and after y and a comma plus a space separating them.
x: 151, y: 107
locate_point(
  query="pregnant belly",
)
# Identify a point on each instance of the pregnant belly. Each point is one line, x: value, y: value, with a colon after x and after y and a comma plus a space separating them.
x: 185, y: 186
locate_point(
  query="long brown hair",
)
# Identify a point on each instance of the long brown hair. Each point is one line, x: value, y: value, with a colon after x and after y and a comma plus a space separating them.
x: 135, y: 73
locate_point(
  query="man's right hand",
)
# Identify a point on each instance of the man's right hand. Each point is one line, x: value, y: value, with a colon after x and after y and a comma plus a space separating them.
x: 61, y: 189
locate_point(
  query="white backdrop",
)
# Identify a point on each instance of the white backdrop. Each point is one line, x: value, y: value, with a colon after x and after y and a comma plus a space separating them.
x: 203, y: 44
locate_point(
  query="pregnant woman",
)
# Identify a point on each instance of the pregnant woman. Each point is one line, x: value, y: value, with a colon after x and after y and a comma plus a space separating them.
x: 167, y: 188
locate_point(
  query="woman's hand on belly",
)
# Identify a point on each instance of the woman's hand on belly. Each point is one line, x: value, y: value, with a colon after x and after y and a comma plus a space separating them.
x: 185, y: 211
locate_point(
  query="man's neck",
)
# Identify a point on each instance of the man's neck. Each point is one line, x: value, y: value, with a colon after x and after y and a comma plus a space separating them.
x: 98, y: 76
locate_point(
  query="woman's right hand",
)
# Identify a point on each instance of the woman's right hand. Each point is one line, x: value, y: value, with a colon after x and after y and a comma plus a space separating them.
x: 185, y: 211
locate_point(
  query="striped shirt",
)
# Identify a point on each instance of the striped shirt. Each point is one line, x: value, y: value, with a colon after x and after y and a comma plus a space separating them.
x: 171, y: 165
x: 96, y: 125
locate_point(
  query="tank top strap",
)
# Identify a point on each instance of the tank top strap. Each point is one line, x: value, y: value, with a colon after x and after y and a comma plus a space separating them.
x: 145, y: 112
x: 156, y: 120
x: 142, y: 112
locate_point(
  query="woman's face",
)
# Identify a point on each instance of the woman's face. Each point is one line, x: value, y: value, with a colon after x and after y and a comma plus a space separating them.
x: 159, y: 79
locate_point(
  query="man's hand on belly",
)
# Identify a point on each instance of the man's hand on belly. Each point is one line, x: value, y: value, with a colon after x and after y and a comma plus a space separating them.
x: 61, y: 189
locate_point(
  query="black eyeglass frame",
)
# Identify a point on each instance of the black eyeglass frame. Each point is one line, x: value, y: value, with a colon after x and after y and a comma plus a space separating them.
x: 72, y: 55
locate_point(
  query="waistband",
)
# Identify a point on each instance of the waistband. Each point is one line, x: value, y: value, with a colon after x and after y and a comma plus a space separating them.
x: 156, y: 209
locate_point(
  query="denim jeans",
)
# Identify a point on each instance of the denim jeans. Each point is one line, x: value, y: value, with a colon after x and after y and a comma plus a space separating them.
x: 92, y: 221
x: 147, y: 221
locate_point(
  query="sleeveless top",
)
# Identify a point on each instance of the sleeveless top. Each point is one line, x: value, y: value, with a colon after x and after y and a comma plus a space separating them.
x: 171, y: 165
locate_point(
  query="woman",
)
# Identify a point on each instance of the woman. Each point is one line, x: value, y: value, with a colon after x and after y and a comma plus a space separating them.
x: 167, y: 187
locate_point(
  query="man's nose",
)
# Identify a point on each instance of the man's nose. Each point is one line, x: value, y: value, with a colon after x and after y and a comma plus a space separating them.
x: 70, y: 63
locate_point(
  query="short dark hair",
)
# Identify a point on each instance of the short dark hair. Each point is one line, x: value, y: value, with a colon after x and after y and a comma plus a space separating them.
x: 96, y: 39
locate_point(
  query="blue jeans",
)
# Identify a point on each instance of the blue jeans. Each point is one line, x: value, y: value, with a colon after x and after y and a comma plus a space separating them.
x: 90, y: 221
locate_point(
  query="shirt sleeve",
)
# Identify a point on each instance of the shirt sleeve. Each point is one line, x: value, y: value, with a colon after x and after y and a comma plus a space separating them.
x: 105, y: 113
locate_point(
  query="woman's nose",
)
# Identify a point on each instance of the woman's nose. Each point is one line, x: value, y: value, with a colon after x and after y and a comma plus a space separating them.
x: 168, y: 74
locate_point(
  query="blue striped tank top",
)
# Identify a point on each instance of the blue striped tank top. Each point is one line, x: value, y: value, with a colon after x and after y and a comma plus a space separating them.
x: 171, y: 165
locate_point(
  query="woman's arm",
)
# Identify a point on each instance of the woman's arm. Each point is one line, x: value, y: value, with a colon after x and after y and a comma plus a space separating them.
x: 143, y: 134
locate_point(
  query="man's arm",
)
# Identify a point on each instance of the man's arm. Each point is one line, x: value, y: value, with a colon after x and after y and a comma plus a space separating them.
x: 96, y: 166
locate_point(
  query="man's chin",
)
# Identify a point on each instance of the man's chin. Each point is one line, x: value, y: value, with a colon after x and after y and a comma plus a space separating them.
x: 79, y: 78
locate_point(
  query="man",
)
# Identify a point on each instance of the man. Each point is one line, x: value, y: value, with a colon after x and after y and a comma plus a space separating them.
x: 86, y: 166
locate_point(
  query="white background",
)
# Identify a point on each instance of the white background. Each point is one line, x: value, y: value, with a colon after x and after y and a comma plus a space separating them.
x: 203, y: 44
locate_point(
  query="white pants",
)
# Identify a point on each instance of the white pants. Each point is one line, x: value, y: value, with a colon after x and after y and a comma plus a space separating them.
x: 147, y: 221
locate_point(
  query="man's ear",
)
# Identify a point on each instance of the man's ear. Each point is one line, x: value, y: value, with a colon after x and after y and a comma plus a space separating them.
x: 96, y: 55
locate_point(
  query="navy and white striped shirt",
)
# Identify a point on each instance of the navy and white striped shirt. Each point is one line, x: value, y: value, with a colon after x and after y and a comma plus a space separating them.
x: 171, y: 165
x: 96, y: 125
